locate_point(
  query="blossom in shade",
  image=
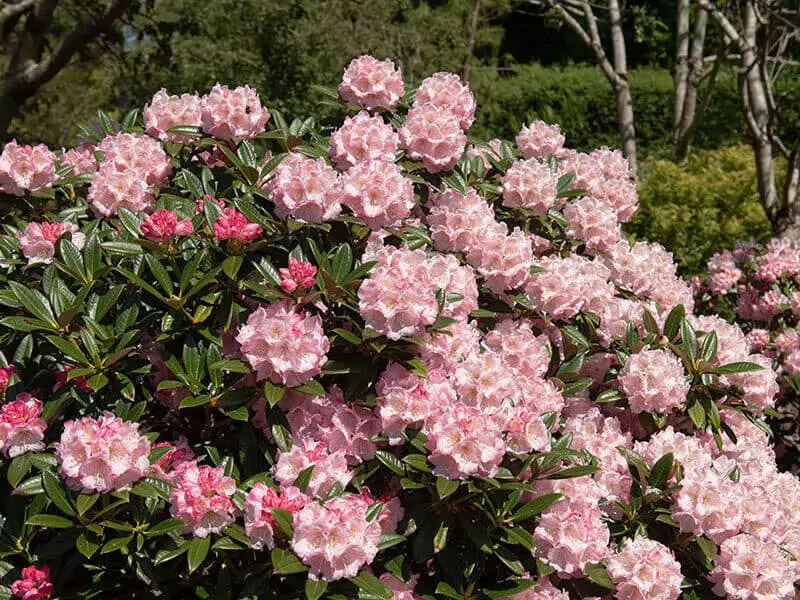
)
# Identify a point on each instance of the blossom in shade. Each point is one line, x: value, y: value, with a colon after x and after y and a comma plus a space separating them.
x: 229, y: 113
x: 653, y: 381
x: 361, y: 138
x: 299, y: 274
x: 723, y: 272
x: 26, y: 168
x: 570, y: 534
x: 532, y: 185
x: 433, y: 136
x: 165, y: 112
x: 80, y: 382
x: 539, y: 140
x: 335, y: 540
x: 5, y: 377
x: 372, y: 83
x: 759, y: 387
x: 201, y: 499
x: 284, y: 343
x: 748, y: 568
x: 259, y: 521
x: 81, y: 159
x: 174, y: 462
x: 102, y: 455
x: 38, y: 240
x: 233, y: 225
x: 644, y: 568
x: 446, y: 91
x: 162, y: 225
x: 330, y: 468
x: 307, y: 189
x: 34, y: 584
x: 378, y: 193
x: 399, y: 588
x: 21, y: 426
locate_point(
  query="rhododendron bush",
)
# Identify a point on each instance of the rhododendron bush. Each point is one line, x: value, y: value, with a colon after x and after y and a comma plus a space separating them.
x: 250, y: 358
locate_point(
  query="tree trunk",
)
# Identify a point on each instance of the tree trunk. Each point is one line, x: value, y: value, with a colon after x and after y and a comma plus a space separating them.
x: 681, y: 75
x: 788, y: 223
x: 474, y: 19
x: 622, y: 91
x: 689, y: 116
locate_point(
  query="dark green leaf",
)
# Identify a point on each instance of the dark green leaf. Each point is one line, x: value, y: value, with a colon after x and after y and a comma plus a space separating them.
x: 198, y: 550
x: 535, y: 507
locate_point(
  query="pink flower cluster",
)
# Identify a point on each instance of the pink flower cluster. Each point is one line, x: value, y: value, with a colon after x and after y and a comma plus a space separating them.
x: 299, y: 274
x: 565, y: 286
x: 593, y: 222
x: 201, y: 499
x: 26, y: 169
x: 259, y: 521
x: 233, y: 225
x: 38, y: 240
x: 34, y: 584
x: 378, y: 193
x: 178, y: 458
x: 363, y: 138
x: 605, y: 175
x: 305, y: 188
x: 433, y: 136
x: 284, y: 344
x: 232, y: 113
x: 81, y: 159
x: 532, y: 185
x: 372, y: 83
x: 102, y: 455
x: 448, y: 93
x: 645, y: 569
x: 329, y: 468
x: 540, y: 140
x: 751, y: 569
x: 653, y: 381
x: 335, y: 539
x: 131, y: 168
x: 21, y: 426
x: 163, y: 225
x: 165, y: 112
x: 6, y: 373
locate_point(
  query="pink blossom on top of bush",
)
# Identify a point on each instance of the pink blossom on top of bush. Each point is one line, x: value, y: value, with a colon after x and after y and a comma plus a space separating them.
x: 335, y: 540
x: 604, y: 174
x: 751, y: 569
x: 645, y: 568
x: 458, y: 222
x: 201, y: 499
x: 531, y: 184
x: 723, y: 274
x: 81, y: 159
x: 162, y: 225
x: 26, y: 169
x: 433, y: 136
x: 363, y: 137
x: 285, y: 344
x: 21, y: 426
x: 593, y: 222
x: 307, y: 189
x: 102, y: 455
x: 372, y: 83
x: 330, y: 468
x: 229, y: 113
x: 299, y: 274
x: 34, y: 584
x: 165, y: 112
x: 378, y: 193
x: 781, y: 259
x: 653, y: 381
x: 259, y: 521
x: 446, y: 91
x: 38, y: 240
x: 540, y: 140
x: 233, y: 225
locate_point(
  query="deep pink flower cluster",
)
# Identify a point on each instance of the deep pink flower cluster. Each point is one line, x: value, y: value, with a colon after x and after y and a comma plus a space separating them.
x: 233, y: 225
x: 299, y: 274
x: 26, y: 169
x: 163, y: 225
x: 21, y: 426
x: 102, y: 454
x: 34, y: 584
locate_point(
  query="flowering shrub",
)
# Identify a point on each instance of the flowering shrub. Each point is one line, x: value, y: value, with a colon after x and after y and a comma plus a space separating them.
x: 245, y: 359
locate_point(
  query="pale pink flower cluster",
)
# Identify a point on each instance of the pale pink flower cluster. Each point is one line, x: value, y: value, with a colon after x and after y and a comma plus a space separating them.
x: 723, y: 273
x: 34, y: 584
x: 688, y: 451
x: 131, y: 168
x: 283, y: 343
x: 568, y: 285
x: 162, y: 225
x: 570, y: 534
x: 645, y: 568
x: 400, y: 589
x: 259, y: 522
x: 757, y: 339
x: 615, y: 316
x: 604, y: 174
x: 447, y: 92
x: 760, y: 387
x: 233, y: 225
x: 362, y: 138
x: 521, y: 349
x: 330, y: 468
x: 233, y: 113
x: 174, y: 462
x: 653, y: 381
x: 26, y: 169
x: 307, y: 189
x: 21, y: 426
x: 540, y: 140
x: 165, y: 112
x: 372, y: 83
x: 434, y: 136
x: 81, y: 159
x: 593, y: 222
x: 339, y: 425
x: 378, y: 193
x: 335, y: 540
x: 299, y: 274
x: 781, y: 259
x: 201, y: 499
x: 532, y: 185
x: 747, y: 568
x: 102, y: 455
x: 38, y: 240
